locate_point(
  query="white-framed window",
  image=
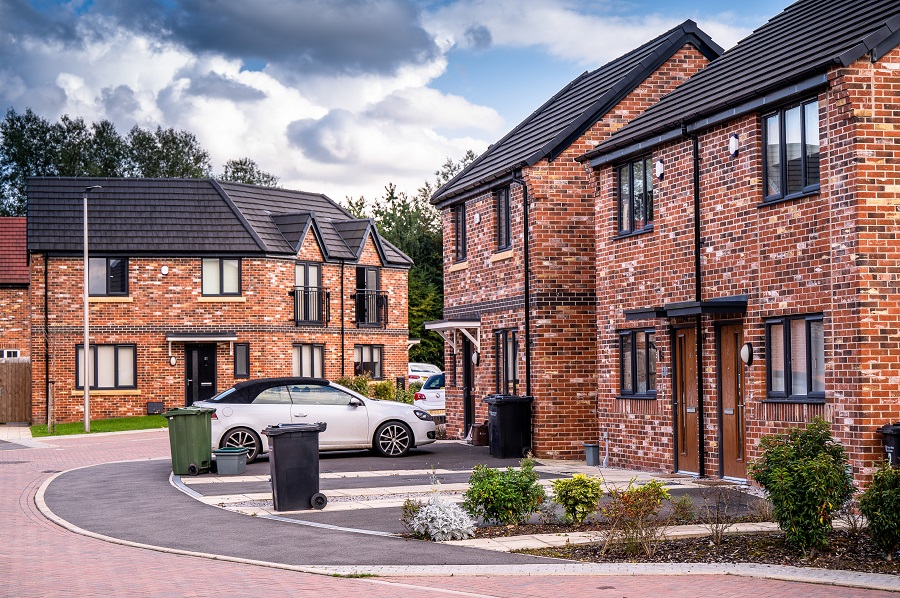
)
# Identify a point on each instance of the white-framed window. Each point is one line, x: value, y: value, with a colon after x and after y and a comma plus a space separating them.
x: 9, y: 353
x: 309, y: 360
x: 221, y: 276
x: 110, y: 366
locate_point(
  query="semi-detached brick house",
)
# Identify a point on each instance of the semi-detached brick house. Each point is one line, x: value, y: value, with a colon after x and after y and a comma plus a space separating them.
x: 494, y: 231
x: 756, y: 286
x: 14, y: 276
x: 195, y: 284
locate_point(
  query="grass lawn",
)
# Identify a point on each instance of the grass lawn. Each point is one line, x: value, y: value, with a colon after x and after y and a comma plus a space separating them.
x: 140, y: 422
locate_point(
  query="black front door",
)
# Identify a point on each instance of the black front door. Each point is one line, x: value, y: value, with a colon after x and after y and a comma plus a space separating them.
x: 199, y: 373
x: 468, y: 386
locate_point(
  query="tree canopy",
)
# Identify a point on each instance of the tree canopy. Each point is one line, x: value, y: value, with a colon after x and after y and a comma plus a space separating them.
x: 32, y: 146
x: 412, y: 224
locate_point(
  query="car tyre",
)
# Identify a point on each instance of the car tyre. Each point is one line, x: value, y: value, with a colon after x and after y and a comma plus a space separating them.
x: 392, y: 439
x: 243, y: 438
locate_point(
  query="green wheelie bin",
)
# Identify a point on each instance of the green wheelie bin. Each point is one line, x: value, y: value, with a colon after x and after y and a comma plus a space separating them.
x: 190, y: 439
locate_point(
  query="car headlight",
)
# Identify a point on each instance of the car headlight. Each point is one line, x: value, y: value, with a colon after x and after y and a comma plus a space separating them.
x: 423, y: 415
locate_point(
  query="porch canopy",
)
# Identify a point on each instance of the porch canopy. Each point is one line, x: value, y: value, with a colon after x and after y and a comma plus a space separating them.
x: 451, y: 329
x: 722, y: 305
x: 201, y: 337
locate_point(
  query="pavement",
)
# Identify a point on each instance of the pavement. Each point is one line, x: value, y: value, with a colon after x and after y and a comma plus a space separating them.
x: 84, y: 515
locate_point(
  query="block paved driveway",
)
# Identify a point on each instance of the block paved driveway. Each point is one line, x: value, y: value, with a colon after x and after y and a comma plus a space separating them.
x: 39, y: 558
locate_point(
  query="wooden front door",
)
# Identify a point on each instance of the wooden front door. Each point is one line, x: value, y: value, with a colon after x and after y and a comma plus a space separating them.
x: 731, y: 402
x: 687, y: 412
x: 199, y: 373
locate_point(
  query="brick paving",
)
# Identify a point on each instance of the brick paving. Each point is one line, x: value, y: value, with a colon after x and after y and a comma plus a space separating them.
x: 39, y: 558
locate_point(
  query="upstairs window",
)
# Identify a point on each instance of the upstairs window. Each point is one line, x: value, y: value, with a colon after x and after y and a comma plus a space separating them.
x: 791, y: 139
x: 459, y: 230
x: 795, y: 358
x: 635, y: 195
x: 503, y: 235
x: 221, y: 276
x: 637, y: 363
x: 107, y: 276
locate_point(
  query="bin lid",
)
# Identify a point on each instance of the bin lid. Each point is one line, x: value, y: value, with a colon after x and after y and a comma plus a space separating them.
x: 289, y: 428
x: 187, y: 411
x: 495, y: 399
x: 231, y: 450
x: 889, y: 429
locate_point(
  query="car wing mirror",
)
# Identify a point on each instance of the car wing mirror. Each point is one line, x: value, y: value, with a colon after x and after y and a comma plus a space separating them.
x: 354, y: 402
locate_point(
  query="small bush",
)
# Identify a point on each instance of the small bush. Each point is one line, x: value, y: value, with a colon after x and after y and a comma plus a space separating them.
x: 880, y: 503
x: 504, y: 497
x: 633, y: 515
x: 415, y: 387
x: 440, y: 520
x: 579, y: 495
x: 383, y: 390
x: 720, y: 503
x: 359, y: 384
x: 405, y: 396
x: 805, y: 475
x: 682, y: 510
x: 408, y: 513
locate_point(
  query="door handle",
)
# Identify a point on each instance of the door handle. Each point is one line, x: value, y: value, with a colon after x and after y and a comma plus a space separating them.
x: 727, y: 411
x: 690, y: 409
x: 299, y: 415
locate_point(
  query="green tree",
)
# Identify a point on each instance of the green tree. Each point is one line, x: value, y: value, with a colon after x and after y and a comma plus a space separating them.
x: 245, y: 170
x: 24, y: 152
x: 166, y: 153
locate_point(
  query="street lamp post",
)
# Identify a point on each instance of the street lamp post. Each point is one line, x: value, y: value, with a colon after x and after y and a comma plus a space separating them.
x: 85, y: 376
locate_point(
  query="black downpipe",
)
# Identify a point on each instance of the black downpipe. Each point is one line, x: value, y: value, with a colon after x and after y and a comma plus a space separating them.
x: 698, y: 297
x: 47, y: 333
x: 343, y: 360
x: 527, y: 268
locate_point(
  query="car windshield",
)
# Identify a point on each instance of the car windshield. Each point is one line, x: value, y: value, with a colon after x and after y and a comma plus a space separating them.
x: 434, y: 382
x: 222, y: 394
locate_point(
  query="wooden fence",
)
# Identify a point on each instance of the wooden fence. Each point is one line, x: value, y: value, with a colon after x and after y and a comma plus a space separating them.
x: 15, y: 390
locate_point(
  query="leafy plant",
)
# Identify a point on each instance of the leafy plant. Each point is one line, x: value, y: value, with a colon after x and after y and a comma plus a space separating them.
x: 383, y: 390
x: 440, y: 520
x: 804, y: 473
x: 633, y: 514
x: 579, y: 495
x: 504, y: 497
x: 359, y: 384
x: 852, y: 517
x: 408, y: 513
x: 682, y: 510
x: 407, y: 396
x: 880, y: 503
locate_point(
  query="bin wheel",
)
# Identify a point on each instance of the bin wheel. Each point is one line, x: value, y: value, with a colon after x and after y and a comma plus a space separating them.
x: 193, y: 469
x: 318, y: 501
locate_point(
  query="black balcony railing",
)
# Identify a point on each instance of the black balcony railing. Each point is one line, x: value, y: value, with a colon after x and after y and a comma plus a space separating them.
x: 311, y: 306
x: 371, y: 308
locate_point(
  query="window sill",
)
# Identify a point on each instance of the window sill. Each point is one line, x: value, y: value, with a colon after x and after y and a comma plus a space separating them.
x: 500, y: 256
x: 110, y: 299
x: 106, y: 392
x: 458, y: 266
x: 641, y: 397
x: 645, y: 230
x: 796, y: 400
x: 792, y: 197
x: 221, y: 299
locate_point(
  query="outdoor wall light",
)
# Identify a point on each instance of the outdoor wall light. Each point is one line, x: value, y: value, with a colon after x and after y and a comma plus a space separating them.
x: 172, y: 360
x: 477, y: 218
x: 734, y: 143
x: 660, y: 169
x: 164, y: 270
x: 747, y: 353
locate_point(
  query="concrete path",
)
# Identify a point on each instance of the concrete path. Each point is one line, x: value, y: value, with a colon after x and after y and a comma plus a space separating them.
x: 41, y: 558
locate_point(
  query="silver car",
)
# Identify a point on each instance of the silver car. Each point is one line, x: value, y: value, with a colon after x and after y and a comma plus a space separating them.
x: 354, y: 422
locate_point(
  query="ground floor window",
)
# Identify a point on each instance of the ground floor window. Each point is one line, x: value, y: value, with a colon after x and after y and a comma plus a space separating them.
x: 309, y: 361
x: 9, y: 353
x: 506, y: 373
x: 109, y: 367
x: 241, y: 360
x: 367, y: 360
x: 637, y: 363
x: 795, y: 358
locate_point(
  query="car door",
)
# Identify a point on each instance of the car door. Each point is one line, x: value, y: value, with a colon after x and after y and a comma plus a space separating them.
x: 270, y: 407
x: 347, y: 423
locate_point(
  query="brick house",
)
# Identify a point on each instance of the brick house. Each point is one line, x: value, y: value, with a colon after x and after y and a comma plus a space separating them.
x: 14, y: 278
x: 526, y: 204
x: 754, y: 285
x: 195, y: 284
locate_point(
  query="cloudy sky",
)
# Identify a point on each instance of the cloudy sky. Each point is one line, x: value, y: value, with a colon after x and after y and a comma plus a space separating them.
x: 333, y: 96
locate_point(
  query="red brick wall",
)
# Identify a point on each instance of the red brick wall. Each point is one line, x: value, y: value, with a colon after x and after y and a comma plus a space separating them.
x: 561, y: 199
x: 14, y: 325
x: 174, y: 303
x: 834, y: 252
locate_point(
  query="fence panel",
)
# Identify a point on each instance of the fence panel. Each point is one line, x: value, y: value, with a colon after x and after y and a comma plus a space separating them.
x: 15, y: 390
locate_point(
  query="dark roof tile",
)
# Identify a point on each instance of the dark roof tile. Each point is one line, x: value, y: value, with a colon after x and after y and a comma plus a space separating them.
x: 13, y: 251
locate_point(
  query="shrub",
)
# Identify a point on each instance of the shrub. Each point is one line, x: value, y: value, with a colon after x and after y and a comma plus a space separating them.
x: 805, y: 475
x: 408, y: 513
x: 359, y: 384
x: 383, y: 390
x: 579, y: 495
x: 682, y: 510
x: 440, y: 520
x: 415, y: 387
x: 504, y: 497
x: 720, y: 503
x: 633, y: 514
x: 880, y: 503
x: 405, y: 396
